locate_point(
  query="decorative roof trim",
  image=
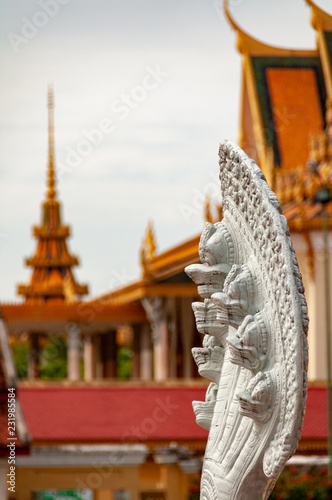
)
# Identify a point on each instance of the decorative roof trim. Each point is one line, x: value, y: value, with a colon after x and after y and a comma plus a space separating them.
x: 319, y: 17
x: 247, y: 44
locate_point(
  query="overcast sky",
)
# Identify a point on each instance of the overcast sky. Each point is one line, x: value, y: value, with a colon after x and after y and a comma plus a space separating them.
x: 160, y: 80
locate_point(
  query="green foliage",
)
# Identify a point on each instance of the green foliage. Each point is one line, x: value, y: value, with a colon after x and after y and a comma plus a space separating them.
x: 124, y: 361
x: 59, y: 495
x: 53, y: 359
x: 20, y: 353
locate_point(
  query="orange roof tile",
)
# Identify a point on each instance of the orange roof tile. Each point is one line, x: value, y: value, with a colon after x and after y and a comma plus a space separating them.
x: 296, y: 111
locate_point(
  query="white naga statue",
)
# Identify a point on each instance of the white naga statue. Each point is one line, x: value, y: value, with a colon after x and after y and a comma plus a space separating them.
x: 254, y: 320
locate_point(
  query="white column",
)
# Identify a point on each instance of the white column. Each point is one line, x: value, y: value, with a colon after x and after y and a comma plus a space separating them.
x: 156, y: 312
x: 74, y: 352
x: 88, y: 358
x: 99, y: 365
x: 187, y: 336
x: 146, y: 353
x: 173, y: 335
x: 160, y: 344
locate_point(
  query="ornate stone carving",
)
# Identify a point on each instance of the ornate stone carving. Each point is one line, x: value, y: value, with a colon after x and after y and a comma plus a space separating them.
x: 258, y: 401
x: 248, y: 348
x: 234, y: 302
x: 208, y: 487
x: 209, y: 358
x: 254, y: 317
x: 204, y: 409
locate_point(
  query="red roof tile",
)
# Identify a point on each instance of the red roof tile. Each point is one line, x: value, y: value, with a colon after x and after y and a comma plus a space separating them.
x: 315, y: 419
x: 132, y: 414
x: 111, y: 414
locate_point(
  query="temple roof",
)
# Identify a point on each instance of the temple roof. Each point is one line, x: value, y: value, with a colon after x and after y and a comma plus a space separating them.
x: 149, y: 414
x: 285, y: 120
x: 248, y: 44
x: 162, y: 274
x: 52, y: 277
x: 291, y: 97
x: 117, y: 412
x: 55, y: 316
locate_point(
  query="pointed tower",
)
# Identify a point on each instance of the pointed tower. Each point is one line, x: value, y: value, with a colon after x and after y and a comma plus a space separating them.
x: 52, y: 277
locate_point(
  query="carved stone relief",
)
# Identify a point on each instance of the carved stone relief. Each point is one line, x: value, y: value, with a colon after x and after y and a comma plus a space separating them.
x: 254, y: 320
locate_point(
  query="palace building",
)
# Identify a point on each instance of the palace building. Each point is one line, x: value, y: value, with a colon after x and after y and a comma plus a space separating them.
x: 103, y: 438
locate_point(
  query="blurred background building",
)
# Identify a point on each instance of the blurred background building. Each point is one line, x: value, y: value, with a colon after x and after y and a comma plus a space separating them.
x: 104, y: 385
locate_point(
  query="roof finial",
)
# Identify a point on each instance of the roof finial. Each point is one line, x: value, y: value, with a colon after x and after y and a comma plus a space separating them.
x: 148, y: 249
x: 246, y: 43
x: 50, y: 173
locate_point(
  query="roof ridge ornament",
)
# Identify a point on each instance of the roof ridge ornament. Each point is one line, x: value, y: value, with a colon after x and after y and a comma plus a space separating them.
x: 148, y: 249
x: 320, y: 18
x: 254, y: 316
x: 248, y: 44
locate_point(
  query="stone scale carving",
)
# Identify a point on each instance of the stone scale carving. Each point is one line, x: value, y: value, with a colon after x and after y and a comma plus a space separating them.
x: 254, y: 320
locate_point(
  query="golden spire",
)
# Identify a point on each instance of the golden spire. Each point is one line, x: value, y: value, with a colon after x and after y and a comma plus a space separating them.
x: 52, y: 276
x: 50, y: 193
